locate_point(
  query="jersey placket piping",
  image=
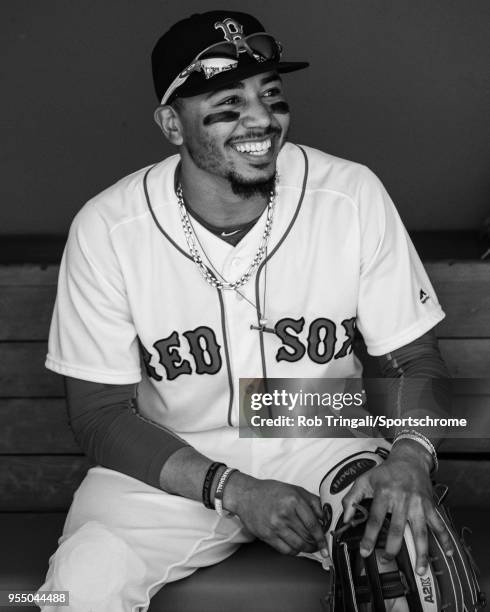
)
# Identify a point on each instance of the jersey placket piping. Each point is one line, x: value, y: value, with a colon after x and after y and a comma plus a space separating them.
x: 272, y: 253
x: 220, y: 297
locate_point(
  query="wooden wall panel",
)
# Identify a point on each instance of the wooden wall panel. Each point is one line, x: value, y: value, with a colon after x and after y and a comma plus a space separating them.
x: 468, y: 480
x: 35, y: 426
x: 466, y: 357
x: 463, y: 290
x: 39, y: 483
x: 25, y: 312
x: 25, y: 275
x: 22, y: 371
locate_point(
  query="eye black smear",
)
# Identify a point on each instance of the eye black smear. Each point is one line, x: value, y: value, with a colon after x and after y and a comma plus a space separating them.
x: 220, y: 117
x: 281, y: 108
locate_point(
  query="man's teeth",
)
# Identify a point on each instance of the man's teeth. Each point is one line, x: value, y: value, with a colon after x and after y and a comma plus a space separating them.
x: 254, y: 148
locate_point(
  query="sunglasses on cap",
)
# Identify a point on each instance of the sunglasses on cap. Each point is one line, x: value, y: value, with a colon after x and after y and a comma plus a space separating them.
x: 224, y: 56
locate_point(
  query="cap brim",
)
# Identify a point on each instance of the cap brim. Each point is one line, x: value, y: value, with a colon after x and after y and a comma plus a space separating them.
x: 196, y: 84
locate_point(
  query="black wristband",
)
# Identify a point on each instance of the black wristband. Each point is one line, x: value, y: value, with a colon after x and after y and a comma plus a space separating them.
x: 208, y: 481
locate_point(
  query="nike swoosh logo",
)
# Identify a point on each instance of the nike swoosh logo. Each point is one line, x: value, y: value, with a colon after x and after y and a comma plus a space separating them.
x: 229, y: 233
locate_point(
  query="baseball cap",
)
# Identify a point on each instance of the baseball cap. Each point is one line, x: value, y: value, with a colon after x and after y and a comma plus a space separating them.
x: 180, y: 58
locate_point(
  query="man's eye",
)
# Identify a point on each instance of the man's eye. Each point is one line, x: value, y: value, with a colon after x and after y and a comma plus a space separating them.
x: 229, y: 101
x: 271, y: 93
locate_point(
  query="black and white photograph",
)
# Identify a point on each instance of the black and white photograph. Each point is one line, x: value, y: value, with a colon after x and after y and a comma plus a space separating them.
x: 245, y: 306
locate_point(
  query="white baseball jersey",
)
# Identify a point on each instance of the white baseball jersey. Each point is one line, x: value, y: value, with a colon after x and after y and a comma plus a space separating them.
x: 132, y: 305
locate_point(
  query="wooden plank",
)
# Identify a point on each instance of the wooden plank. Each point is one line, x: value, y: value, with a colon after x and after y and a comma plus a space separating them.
x: 35, y: 426
x: 25, y: 312
x: 471, y: 386
x: 467, y: 357
x: 22, y: 371
x: 43, y: 483
x: 39, y: 483
x: 468, y: 481
x: 475, y: 438
x: 469, y: 446
x: 463, y: 289
x: 458, y: 271
x: 28, y: 275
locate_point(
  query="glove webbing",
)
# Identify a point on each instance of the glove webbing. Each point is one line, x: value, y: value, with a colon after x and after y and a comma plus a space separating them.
x: 374, y: 587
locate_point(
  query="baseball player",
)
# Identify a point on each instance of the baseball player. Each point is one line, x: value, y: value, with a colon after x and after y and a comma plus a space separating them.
x: 241, y: 256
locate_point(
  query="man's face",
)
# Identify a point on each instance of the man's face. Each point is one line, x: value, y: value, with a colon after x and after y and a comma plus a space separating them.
x: 236, y: 133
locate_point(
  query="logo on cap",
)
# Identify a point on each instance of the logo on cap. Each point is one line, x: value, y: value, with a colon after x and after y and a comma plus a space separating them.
x: 231, y: 29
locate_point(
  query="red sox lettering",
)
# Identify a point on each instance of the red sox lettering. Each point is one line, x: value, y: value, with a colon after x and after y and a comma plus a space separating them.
x: 202, y: 346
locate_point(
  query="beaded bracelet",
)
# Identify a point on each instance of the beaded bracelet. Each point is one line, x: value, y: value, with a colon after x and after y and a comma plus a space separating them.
x: 208, y: 481
x: 416, y: 436
x: 218, y: 496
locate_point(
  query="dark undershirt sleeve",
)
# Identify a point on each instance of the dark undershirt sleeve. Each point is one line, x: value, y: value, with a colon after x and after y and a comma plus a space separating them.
x: 111, y: 432
x: 417, y: 384
x: 109, y: 429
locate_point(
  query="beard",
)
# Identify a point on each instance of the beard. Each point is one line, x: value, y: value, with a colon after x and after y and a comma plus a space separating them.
x: 207, y: 156
x: 249, y: 188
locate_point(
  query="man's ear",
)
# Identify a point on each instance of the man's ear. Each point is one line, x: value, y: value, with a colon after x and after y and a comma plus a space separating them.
x: 169, y: 122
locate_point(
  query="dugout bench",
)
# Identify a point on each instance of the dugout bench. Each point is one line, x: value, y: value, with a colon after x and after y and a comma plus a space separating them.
x: 41, y: 464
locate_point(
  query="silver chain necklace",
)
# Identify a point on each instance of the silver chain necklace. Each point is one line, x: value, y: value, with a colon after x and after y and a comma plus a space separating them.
x: 262, y: 320
x: 208, y: 274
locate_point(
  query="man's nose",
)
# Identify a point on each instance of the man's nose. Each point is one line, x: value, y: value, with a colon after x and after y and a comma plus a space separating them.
x: 257, y: 114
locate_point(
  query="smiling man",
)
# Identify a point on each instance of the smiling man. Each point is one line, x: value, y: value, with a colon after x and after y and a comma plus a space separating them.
x: 228, y: 165
x: 242, y: 256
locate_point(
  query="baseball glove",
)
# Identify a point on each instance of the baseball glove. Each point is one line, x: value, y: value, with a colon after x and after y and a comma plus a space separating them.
x: 375, y: 585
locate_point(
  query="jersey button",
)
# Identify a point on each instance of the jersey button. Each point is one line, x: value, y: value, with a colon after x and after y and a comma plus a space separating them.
x: 235, y: 262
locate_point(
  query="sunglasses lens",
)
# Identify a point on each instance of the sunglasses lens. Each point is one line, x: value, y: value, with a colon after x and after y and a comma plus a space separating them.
x: 215, y: 65
x: 224, y: 50
x: 225, y: 55
x: 264, y: 46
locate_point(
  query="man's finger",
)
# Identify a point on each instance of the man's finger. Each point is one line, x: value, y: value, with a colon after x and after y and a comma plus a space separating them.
x: 438, y: 526
x: 359, y: 490
x: 315, y: 504
x: 295, y: 542
x: 313, y: 527
x: 417, y: 519
x: 396, y: 530
x: 280, y: 545
x: 295, y: 523
x: 379, y: 507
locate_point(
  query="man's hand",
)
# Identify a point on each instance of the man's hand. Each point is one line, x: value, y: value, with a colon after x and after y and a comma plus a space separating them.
x: 285, y: 516
x: 402, y: 486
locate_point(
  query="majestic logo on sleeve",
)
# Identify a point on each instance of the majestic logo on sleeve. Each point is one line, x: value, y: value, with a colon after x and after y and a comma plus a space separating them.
x: 197, y: 351
x: 231, y: 29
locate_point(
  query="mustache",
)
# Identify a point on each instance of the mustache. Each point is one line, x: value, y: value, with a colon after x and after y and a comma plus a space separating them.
x: 256, y: 134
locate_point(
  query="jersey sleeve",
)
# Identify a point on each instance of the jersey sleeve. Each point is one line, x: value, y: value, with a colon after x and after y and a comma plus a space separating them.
x: 396, y: 302
x: 92, y: 336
